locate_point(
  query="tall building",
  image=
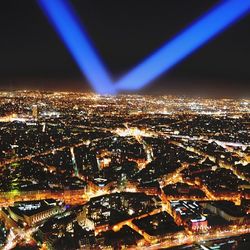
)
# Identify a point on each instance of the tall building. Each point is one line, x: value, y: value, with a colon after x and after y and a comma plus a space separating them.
x: 35, y: 112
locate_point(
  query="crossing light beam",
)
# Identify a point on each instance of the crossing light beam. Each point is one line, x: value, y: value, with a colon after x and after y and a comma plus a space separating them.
x: 65, y: 21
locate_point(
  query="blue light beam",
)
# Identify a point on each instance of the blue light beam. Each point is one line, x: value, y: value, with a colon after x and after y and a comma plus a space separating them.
x: 208, y: 26
x: 61, y: 15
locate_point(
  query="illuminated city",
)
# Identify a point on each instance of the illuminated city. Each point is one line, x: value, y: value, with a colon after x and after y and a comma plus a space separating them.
x: 85, y: 171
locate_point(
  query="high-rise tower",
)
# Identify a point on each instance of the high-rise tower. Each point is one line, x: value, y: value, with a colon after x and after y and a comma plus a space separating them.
x: 35, y: 112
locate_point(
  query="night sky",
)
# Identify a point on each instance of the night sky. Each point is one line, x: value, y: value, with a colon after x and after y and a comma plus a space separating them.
x: 123, y: 32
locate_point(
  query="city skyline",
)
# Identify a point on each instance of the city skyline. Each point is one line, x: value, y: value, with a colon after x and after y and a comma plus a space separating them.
x: 86, y: 171
x: 125, y: 125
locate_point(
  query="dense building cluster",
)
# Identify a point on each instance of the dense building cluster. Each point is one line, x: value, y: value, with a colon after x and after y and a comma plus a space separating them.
x: 83, y: 171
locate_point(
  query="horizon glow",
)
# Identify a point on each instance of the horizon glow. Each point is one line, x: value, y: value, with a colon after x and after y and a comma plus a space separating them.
x: 65, y: 21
